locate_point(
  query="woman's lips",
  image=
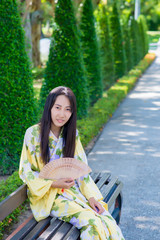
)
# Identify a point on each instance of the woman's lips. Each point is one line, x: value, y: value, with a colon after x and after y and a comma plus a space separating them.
x: 60, y: 121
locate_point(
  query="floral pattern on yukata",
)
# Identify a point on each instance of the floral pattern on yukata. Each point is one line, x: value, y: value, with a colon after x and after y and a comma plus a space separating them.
x: 72, y: 204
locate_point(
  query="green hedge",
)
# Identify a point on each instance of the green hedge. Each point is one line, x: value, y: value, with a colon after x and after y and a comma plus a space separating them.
x: 65, y: 64
x: 134, y: 30
x: 17, y: 105
x: 117, y: 42
x: 106, y: 49
x: 88, y: 127
x: 143, y: 30
x: 91, y: 52
x: 128, y: 46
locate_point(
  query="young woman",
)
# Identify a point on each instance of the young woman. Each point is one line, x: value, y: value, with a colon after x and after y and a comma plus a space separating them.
x: 76, y: 201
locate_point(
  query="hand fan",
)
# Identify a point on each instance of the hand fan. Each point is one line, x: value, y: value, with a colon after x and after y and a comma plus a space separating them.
x: 64, y: 168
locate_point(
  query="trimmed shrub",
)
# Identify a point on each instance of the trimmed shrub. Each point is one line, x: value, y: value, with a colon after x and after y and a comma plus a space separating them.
x: 117, y: 42
x: 128, y: 47
x: 65, y: 64
x: 103, y: 31
x: 91, y: 54
x: 135, y: 40
x: 17, y: 106
x: 143, y: 30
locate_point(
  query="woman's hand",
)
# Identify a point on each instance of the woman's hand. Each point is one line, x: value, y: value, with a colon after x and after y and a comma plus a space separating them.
x: 97, y: 207
x: 63, y: 183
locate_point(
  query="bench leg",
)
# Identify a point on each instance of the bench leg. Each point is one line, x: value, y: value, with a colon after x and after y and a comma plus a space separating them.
x: 117, y: 208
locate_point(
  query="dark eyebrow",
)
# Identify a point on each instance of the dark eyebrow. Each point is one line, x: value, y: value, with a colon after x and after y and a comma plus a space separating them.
x: 58, y: 104
x: 61, y: 105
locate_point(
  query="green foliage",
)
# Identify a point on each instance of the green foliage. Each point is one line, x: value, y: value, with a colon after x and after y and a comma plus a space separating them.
x: 65, y: 63
x: 38, y: 73
x: 128, y: 46
x: 9, y: 185
x: 149, y: 8
x: 6, y: 188
x: 151, y: 11
x: 135, y: 40
x: 143, y: 32
x: 91, y: 54
x: 103, y: 31
x: 17, y: 106
x: 118, y: 43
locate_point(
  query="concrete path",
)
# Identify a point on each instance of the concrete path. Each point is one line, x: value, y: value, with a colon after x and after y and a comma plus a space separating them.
x: 129, y: 147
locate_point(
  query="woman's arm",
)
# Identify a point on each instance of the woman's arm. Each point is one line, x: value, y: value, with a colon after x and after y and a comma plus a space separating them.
x: 86, y: 183
x: 64, y: 183
x: 30, y: 165
x: 97, y: 207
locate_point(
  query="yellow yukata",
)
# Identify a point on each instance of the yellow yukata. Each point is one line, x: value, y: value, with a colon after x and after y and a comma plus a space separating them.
x: 70, y: 205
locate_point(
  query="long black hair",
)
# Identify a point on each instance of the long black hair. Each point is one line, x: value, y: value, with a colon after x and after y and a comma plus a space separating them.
x: 69, y: 129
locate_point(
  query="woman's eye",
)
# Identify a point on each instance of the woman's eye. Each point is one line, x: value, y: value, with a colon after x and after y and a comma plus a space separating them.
x: 68, y: 109
x: 57, y: 107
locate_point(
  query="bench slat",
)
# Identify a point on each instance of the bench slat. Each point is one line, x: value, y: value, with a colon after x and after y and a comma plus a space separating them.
x: 50, y: 231
x: 105, y: 189
x: 73, y: 234
x: 13, y: 201
x: 24, y: 230
x: 94, y: 175
x: 105, y: 178
x: 62, y: 231
x: 38, y: 229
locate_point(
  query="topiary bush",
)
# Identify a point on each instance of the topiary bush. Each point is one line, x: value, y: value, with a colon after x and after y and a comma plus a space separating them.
x: 144, y: 36
x: 117, y: 42
x: 127, y: 46
x: 65, y: 64
x: 106, y: 49
x: 91, y: 53
x: 135, y: 39
x: 17, y: 106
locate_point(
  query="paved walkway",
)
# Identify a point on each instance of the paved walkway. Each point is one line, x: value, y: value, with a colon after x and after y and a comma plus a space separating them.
x: 129, y: 147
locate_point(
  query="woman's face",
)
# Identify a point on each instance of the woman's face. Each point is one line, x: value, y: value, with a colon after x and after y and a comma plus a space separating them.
x: 61, y: 111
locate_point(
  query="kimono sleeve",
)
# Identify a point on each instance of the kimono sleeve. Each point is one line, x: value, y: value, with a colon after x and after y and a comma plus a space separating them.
x: 40, y: 192
x: 86, y: 184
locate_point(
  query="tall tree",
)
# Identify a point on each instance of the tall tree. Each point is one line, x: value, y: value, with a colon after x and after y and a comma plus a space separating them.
x: 17, y: 106
x: 91, y: 53
x: 65, y: 63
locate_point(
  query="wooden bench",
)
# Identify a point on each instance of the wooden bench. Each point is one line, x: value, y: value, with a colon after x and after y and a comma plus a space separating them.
x: 53, y: 228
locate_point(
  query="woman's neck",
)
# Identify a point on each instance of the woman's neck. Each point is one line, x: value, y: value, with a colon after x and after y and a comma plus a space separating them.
x: 55, y: 130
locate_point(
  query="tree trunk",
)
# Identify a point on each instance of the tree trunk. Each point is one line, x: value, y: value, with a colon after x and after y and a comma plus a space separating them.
x: 52, y: 2
x: 23, y: 6
x: 36, y: 31
x: 28, y: 40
